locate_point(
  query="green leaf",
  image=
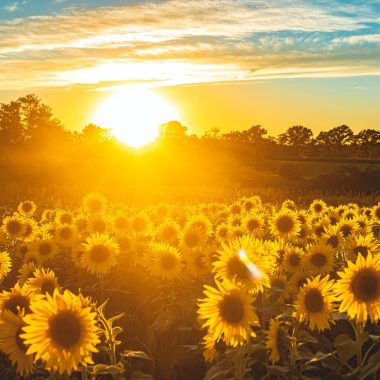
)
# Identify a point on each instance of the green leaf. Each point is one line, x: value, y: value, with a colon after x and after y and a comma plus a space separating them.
x: 346, y: 347
x: 136, y: 354
x: 116, y: 331
x: 103, y: 369
x: 372, y: 366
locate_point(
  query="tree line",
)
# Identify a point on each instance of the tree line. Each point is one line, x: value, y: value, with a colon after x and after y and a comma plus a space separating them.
x: 28, y: 119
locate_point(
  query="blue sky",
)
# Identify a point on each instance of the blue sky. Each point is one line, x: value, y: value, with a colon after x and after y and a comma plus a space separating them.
x: 101, y: 46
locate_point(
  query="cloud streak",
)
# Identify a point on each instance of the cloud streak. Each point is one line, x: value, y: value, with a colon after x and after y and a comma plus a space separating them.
x: 187, y: 41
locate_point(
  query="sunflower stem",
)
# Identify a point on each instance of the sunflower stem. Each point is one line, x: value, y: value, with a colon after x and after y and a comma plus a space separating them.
x: 293, y: 347
x: 359, y: 328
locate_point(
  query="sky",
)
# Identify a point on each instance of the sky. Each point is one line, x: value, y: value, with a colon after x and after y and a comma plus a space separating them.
x: 226, y: 64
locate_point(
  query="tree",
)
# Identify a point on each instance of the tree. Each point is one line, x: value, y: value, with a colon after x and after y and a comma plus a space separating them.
x: 254, y: 134
x: 338, y: 136
x: 172, y: 130
x: 11, y: 128
x: 297, y: 135
x: 94, y: 134
x: 368, y: 137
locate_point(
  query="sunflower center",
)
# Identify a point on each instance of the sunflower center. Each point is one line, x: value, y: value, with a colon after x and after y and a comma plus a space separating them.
x: 17, y: 302
x: 66, y: 233
x: 318, y: 207
x: 285, y: 224
x: 168, y: 261
x: 237, y: 268
x: 66, y: 218
x: 377, y: 212
x: 314, y: 301
x: 99, y: 253
x: 45, y: 249
x: 318, y: 259
x: 361, y: 249
x: 47, y: 286
x: 231, y: 309
x: 20, y: 343
x: 14, y: 226
x: 99, y: 226
x: 27, y: 207
x: 253, y: 224
x: 319, y: 230
x: 346, y: 230
x: 65, y: 329
x: 139, y: 224
x: 223, y: 232
x: 191, y: 239
x: 365, y: 285
x: 168, y: 232
x: 333, y: 241
x: 294, y: 260
x: 121, y: 223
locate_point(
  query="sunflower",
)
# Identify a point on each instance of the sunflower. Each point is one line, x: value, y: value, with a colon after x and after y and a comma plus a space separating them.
x: 289, y: 204
x: 229, y: 313
x: 98, y: 223
x: 333, y: 237
x: 358, y: 289
x: 276, y: 340
x: 99, y: 253
x: 66, y: 235
x: 236, y: 208
x: 15, y: 301
x: 193, y: 237
x: 376, y: 213
x: 13, y: 345
x: 45, y: 248
x: 243, y: 262
x: 318, y: 207
x: 48, y: 216
x: 120, y: 223
x: 167, y: 232
x: 363, y: 245
x: 210, y: 250
x: 25, y: 271
x: 279, y: 288
x: 5, y: 264
x: 94, y: 203
x: 363, y: 223
x: 319, y: 258
x: 163, y: 260
x: 61, y: 331
x: 297, y: 281
x: 285, y: 224
x: 199, y: 221
x: 13, y: 226
x: 347, y: 227
x: 210, y: 351
x: 27, y: 208
x: 315, y: 303
x: 293, y: 259
x: 254, y: 224
x: 64, y: 217
x: 319, y: 228
x: 81, y: 222
x: 196, y: 262
x: 30, y: 229
x: 221, y: 232
x: 141, y: 224
x: 43, y: 281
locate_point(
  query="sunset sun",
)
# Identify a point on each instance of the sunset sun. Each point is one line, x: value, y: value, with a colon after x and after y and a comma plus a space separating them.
x: 134, y: 116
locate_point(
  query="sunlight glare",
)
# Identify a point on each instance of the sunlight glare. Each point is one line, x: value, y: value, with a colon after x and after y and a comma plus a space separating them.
x: 134, y: 116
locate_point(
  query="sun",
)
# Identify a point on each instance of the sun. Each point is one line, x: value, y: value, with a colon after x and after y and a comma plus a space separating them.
x: 134, y: 116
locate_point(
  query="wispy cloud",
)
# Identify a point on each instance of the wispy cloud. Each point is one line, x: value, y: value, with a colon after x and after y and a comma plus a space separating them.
x: 11, y: 7
x: 187, y: 41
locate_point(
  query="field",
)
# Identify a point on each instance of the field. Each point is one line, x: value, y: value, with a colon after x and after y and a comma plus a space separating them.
x: 216, y: 284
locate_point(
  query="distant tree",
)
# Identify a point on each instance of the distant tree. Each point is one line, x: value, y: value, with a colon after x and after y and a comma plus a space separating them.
x: 254, y: 134
x: 95, y: 134
x: 172, y: 130
x: 338, y: 136
x: 368, y: 137
x: 11, y: 128
x: 297, y: 135
x: 212, y: 133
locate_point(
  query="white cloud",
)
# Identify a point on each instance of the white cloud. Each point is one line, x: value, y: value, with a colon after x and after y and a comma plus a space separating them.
x: 11, y: 7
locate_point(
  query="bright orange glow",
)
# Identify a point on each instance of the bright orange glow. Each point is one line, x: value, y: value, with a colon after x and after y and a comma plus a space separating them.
x: 134, y: 116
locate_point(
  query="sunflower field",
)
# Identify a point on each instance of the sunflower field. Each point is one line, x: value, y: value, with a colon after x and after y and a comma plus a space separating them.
x: 242, y: 290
